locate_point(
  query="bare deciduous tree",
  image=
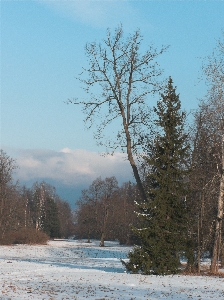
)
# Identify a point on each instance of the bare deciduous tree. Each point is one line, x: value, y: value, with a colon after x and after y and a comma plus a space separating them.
x: 205, y: 176
x: 95, y: 206
x: 118, y: 81
x: 106, y: 211
x: 8, y: 193
x: 214, y: 72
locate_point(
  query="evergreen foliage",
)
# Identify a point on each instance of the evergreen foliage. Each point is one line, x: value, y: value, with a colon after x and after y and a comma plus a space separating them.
x: 163, y: 215
x: 51, y: 224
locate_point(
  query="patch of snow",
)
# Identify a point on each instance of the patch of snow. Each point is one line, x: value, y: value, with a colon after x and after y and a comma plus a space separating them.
x: 73, y: 269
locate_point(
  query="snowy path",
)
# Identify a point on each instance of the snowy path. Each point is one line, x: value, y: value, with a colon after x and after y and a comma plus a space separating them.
x: 76, y: 270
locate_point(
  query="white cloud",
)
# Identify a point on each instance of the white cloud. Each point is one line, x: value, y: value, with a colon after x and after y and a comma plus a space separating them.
x: 70, y: 167
x: 98, y: 13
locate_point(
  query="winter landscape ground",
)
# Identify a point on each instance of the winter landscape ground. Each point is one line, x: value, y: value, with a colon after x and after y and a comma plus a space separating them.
x: 71, y: 269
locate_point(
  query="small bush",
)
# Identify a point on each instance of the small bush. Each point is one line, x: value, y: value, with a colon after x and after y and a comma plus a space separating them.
x: 24, y: 236
x: 7, y: 239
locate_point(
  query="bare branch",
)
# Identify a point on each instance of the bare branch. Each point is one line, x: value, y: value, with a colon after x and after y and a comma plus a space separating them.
x: 123, y: 79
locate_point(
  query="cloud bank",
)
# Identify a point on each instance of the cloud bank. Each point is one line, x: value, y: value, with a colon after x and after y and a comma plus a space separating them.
x: 70, y: 167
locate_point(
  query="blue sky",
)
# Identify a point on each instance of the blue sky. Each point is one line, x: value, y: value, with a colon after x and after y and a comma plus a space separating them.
x: 42, y: 52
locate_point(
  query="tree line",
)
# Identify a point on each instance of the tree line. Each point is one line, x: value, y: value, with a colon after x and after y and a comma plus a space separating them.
x: 28, y: 211
x: 178, y: 168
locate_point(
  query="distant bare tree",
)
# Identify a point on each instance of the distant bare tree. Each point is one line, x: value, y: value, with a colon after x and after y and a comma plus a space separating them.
x: 65, y: 218
x: 95, y: 206
x: 8, y: 193
x: 106, y: 211
x: 124, y: 214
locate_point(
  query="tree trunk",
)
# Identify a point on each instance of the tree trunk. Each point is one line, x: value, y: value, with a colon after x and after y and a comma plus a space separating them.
x: 131, y: 159
x: 138, y: 180
x: 102, y: 239
x: 104, y: 228
x: 218, y: 225
x: 199, y: 248
x: 88, y: 241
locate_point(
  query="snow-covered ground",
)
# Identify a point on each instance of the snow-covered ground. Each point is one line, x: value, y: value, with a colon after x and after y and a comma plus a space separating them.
x: 78, y: 270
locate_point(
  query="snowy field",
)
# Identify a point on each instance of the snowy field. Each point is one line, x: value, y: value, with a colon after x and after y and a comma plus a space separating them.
x: 77, y: 270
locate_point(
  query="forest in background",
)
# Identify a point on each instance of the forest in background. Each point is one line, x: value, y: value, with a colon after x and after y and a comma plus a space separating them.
x: 25, y: 213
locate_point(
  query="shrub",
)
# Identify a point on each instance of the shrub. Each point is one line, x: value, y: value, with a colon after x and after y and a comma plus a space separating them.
x: 24, y: 236
x: 7, y: 239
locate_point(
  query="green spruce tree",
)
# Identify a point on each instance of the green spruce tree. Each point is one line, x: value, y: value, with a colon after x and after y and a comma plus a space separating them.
x: 51, y: 223
x: 163, y: 214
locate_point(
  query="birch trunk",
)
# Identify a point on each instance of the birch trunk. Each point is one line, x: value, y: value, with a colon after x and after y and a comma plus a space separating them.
x: 218, y: 225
